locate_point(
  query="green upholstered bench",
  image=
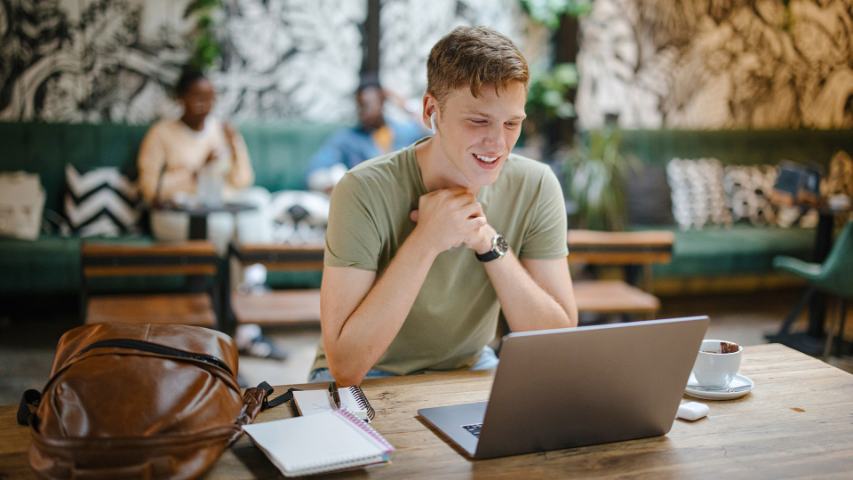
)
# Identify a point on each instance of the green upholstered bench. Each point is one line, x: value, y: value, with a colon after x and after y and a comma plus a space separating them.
x: 741, y: 249
x: 51, y: 264
x: 723, y: 256
x: 280, y: 152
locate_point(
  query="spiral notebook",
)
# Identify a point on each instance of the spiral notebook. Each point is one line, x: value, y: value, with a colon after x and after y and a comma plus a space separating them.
x: 324, y: 442
x: 309, y: 402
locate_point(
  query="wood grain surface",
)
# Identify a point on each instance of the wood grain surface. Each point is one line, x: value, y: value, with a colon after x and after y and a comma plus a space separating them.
x: 796, y: 423
x: 614, y: 296
x: 620, y: 248
x: 188, y: 248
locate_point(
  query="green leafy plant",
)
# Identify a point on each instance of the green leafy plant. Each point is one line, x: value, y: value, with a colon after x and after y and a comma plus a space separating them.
x: 548, y: 12
x: 206, y: 47
x: 597, y: 172
x: 547, y: 96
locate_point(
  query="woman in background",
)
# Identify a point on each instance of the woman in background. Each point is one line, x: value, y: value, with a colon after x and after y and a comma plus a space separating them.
x: 197, y: 158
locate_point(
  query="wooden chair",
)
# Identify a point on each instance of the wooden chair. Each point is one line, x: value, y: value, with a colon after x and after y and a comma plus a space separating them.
x: 279, y: 307
x: 194, y: 259
x: 633, y: 251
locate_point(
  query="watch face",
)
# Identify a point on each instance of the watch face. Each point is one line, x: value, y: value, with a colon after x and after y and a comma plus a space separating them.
x: 501, y: 245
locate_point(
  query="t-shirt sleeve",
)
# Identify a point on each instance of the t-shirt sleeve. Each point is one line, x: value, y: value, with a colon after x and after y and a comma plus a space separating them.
x: 546, y: 235
x: 352, y: 237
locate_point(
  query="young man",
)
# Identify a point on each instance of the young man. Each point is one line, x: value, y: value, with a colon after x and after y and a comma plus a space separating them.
x: 427, y: 244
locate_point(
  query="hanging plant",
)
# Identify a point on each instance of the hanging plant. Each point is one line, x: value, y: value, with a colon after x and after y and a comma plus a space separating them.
x: 206, y: 49
x: 548, y: 12
x: 547, y: 96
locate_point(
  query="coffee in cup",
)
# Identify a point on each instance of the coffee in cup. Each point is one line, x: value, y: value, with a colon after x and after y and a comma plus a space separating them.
x: 717, y: 363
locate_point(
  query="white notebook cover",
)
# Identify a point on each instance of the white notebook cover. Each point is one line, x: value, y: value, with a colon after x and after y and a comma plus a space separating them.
x: 323, y: 442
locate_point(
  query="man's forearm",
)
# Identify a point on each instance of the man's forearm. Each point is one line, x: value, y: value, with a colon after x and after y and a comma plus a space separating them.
x: 525, y: 304
x: 370, y: 329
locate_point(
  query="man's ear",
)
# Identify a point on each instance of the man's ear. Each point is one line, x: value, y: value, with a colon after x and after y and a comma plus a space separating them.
x: 430, y: 106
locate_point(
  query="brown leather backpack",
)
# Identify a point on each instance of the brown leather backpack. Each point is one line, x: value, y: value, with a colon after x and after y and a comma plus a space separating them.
x: 138, y: 401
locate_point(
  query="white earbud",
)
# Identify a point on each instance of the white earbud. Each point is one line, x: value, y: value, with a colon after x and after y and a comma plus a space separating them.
x: 432, y: 123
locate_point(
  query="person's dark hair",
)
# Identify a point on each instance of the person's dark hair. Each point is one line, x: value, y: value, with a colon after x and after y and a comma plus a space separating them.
x: 368, y: 80
x: 474, y: 57
x: 189, y: 75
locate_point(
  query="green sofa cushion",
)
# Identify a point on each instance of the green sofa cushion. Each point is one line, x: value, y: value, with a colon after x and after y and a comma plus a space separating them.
x: 47, y: 265
x: 294, y: 279
x: 51, y: 265
x: 741, y: 249
x: 280, y: 152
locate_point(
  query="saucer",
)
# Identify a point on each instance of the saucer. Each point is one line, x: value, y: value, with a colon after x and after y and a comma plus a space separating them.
x: 741, y: 385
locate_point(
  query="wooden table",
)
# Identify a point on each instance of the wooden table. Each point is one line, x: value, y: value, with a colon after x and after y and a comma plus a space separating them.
x: 795, y: 424
x: 620, y: 248
x: 193, y: 259
x: 635, y: 252
x: 294, y: 307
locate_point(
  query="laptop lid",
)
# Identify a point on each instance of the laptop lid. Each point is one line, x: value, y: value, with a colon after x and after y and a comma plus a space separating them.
x: 581, y: 386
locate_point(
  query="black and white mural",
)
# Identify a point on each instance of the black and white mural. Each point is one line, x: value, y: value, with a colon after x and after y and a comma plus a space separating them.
x: 717, y: 64
x: 116, y: 60
x: 291, y: 59
x: 409, y: 30
x: 76, y: 60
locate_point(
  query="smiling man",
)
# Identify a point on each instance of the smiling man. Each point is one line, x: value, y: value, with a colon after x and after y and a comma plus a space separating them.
x: 427, y: 245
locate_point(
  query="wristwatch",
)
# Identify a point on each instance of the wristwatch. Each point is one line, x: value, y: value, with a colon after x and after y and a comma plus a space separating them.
x: 499, y: 249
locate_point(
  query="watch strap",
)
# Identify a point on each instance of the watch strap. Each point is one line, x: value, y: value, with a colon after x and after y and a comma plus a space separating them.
x: 488, y: 256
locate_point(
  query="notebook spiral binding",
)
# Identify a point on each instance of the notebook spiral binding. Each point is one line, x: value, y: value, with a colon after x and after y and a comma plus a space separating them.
x: 362, y: 402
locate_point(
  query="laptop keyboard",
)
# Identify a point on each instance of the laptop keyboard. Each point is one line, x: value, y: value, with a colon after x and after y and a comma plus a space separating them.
x: 474, y: 429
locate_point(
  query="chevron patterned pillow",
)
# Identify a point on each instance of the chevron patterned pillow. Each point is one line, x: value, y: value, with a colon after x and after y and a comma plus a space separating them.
x: 102, y: 202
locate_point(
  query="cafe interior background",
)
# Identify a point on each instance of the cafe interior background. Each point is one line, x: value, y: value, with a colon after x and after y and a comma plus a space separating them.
x: 665, y: 115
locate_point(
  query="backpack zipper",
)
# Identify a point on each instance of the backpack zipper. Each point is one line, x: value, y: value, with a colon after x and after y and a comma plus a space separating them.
x: 157, y: 348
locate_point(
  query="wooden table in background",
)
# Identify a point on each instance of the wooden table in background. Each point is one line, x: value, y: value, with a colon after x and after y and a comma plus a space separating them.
x: 631, y: 250
x: 193, y: 259
x: 634, y: 252
x: 620, y: 248
x: 293, y: 307
x: 795, y: 424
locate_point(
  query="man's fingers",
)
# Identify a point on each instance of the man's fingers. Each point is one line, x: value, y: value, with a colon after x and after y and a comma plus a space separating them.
x: 473, y: 210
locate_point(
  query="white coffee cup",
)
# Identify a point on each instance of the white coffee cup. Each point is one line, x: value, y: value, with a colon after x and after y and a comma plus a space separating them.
x: 713, y: 368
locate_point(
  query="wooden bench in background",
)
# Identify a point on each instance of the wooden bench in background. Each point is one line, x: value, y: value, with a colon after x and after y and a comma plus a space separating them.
x: 633, y: 251
x: 278, y: 307
x: 194, y: 259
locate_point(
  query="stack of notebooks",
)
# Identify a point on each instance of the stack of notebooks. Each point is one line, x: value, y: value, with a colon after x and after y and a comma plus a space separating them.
x: 325, y: 438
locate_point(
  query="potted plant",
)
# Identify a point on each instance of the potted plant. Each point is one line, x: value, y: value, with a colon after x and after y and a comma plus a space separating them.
x: 596, y: 176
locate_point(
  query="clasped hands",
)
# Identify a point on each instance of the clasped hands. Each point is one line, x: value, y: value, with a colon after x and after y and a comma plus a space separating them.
x: 452, y: 217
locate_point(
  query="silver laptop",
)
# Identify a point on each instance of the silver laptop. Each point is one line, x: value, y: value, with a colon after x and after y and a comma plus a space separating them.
x: 570, y: 387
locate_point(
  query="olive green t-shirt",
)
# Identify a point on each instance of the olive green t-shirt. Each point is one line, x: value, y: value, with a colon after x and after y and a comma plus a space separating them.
x: 456, y: 311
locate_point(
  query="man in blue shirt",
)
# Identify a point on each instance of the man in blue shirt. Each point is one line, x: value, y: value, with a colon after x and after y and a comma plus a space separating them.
x: 373, y: 136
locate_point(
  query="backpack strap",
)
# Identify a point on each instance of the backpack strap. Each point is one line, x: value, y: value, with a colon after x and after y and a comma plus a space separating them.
x: 27, y: 408
x: 256, y: 399
x: 283, y: 398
